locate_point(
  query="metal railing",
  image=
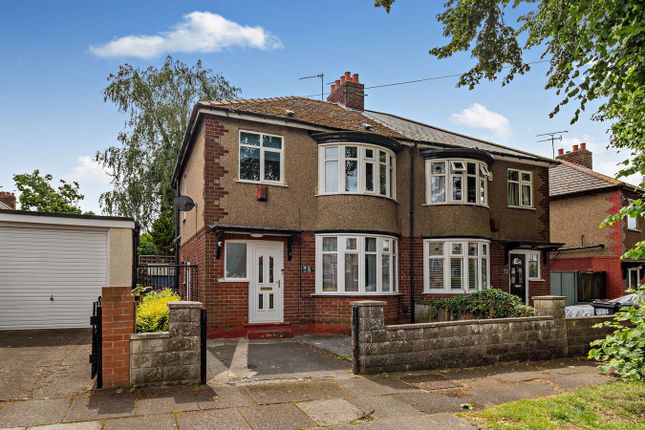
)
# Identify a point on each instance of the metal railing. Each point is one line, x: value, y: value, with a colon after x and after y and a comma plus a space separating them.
x: 179, y: 277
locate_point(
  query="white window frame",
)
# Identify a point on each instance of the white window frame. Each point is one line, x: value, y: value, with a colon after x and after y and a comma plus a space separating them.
x: 340, y: 263
x: 520, y: 183
x: 248, y: 275
x: 460, y: 166
x: 632, y: 223
x: 281, y: 151
x: 629, y: 276
x: 361, y: 189
x: 447, y: 256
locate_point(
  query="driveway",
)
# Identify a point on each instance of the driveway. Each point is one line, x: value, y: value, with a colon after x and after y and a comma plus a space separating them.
x: 286, y: 384
x: 44, y: 363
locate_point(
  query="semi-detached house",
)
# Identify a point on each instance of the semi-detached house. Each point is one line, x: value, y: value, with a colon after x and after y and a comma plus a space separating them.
x: 304, y: 206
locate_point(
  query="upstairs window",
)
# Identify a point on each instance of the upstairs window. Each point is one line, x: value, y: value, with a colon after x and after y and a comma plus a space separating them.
x: 261, y: 158
x: 520, y: 188
x: 356, y: 169
x: 457, y: 182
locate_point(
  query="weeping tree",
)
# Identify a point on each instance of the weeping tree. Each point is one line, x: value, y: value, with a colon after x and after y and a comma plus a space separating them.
x: 157, y: 103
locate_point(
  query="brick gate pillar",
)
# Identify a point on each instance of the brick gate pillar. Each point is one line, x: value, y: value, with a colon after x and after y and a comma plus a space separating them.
x: 117, y: 326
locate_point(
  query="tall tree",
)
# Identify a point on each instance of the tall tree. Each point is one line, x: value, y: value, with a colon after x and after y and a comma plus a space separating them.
x: 157, y: 103
x: 596, y: 50
x: 38, y: 194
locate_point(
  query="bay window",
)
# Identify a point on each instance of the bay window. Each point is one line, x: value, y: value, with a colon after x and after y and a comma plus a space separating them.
x: 456, y: 265
x: 453, y: 181
x: 520, y: 188
x: 356, y: 169
x: 261, y: 158
x: 356, y: 264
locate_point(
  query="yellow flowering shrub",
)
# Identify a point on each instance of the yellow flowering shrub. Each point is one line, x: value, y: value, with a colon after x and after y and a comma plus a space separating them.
x: 152, y: 311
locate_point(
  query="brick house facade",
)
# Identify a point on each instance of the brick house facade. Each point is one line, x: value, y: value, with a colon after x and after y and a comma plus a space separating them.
x: 580, y: 200
x: 303, y: 206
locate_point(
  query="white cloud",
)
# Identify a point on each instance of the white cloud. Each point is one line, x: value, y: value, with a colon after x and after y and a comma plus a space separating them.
x: 478, y: 116
x: 198, y: 32
x: 93, y: 180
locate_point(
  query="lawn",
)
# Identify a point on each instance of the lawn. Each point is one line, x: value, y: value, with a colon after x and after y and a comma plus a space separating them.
x: 616, y: 406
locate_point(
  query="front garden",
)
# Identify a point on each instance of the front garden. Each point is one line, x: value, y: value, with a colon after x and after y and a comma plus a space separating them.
x: 616, y: 406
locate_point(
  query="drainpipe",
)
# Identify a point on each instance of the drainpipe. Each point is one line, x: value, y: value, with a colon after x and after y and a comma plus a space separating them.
x: 411, y: 221
x: 177, y: 236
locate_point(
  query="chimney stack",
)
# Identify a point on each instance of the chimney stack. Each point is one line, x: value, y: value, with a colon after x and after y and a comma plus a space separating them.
x: 8, y: 199
x: 580, y: 155
x: 348, y: 91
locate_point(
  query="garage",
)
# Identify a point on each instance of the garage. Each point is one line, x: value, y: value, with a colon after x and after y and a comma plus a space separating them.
x: 53, y: 266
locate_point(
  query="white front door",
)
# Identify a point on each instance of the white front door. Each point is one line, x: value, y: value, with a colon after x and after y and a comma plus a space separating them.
x: 266, y: 289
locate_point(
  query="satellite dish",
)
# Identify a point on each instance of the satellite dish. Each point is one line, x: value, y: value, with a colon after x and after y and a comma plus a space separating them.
x: 184, y: 203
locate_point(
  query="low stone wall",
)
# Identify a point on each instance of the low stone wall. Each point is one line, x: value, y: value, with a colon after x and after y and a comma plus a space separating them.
x: 580, y: 333
x: 389, y: 348
x: 172, y: 357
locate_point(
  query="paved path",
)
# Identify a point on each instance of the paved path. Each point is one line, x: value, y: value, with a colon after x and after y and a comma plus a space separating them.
x: 48, y: 388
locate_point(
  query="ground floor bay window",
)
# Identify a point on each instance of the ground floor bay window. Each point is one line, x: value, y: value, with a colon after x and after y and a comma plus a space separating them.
x: 356, y: 264
x: 455, y: 266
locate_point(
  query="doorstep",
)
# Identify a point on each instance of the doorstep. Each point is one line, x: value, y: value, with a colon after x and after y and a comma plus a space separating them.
x: 268, y: 331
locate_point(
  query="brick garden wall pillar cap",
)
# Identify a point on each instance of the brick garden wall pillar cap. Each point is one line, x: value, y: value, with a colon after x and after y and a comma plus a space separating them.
x: 185, y: 305
x: 369, y: 303
x: 549, y: 297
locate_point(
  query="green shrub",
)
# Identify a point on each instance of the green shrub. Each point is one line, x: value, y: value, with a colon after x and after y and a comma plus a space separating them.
x: 623, y: 351
x: 489, y: 303
x: 152, y: 311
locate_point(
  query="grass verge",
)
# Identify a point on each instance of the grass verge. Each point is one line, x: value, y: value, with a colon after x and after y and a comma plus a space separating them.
x: 614, y: 406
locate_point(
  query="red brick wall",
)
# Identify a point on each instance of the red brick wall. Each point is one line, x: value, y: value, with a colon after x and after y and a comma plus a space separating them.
x: 118, y: 325
x: 610, y: 264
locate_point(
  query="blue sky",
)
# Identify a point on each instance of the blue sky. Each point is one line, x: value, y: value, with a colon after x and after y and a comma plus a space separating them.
x: 56, y: 57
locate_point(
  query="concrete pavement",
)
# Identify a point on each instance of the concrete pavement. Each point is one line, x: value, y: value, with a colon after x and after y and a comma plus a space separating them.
x: 48, y: 388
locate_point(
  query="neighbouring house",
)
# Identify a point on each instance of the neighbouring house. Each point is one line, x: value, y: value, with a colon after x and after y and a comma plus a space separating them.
x: 7, y: 200
x: 304, y: 206
x: 589, y: 265
x: 53, y: 266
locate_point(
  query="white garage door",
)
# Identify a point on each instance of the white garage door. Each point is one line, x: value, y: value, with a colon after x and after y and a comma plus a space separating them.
x: 49, y: 276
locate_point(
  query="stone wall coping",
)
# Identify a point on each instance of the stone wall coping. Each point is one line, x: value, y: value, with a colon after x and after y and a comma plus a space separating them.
x: 153, y: 335
x: 591, y: 317
x: 364, y: 303
x: 185, y: 305
x: 466, y: 322
x: 548, y: 298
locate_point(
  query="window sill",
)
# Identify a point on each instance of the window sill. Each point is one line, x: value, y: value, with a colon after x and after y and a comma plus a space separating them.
x: 522, y: 207
x: 456, y: 204
x: 234, y: 280
x: 453, y: 292
x: 536, y: 280
x: 336, y: 294
x: 357, y: 194
x: 635, y: 230
x: 270, y: 184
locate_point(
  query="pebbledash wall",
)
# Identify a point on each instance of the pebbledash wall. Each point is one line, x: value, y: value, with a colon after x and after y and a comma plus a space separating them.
x: 378, y: 347
x: 210, y: 179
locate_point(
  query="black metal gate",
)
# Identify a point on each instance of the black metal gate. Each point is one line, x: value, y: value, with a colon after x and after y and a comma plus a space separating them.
x: 97, y: 340
x: 202, y: 346
x: 179, y: 277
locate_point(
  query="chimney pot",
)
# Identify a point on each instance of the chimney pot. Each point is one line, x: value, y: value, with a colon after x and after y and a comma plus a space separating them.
x: 348, y: 92
x: 575, y: 148
x: 583, y: 146
x: 561, y: 151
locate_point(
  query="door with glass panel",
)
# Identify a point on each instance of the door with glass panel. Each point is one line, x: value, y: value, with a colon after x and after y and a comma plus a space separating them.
x: 266, y: 289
